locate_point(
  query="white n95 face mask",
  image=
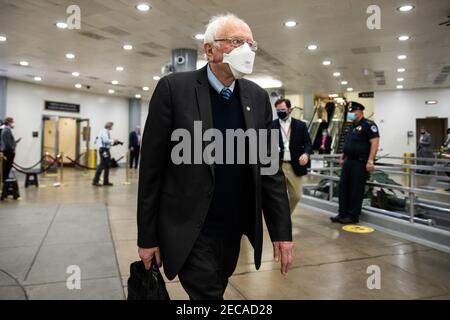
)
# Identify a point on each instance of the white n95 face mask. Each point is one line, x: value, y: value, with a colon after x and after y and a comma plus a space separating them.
x: 240, y: 60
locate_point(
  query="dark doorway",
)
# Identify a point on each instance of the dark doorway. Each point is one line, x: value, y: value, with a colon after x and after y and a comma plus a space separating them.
x: 438, y: 129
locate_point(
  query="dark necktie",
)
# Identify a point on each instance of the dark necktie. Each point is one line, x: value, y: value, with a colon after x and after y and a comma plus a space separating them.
x: 226, y: 93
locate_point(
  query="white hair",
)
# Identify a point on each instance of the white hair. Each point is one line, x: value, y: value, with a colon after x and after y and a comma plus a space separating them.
x: 216, y: 24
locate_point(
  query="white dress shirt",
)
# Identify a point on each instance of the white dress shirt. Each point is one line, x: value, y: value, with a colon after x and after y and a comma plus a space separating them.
x: 286, y: 134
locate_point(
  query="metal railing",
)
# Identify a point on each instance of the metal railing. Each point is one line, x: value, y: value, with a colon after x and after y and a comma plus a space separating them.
x: 411, y: 190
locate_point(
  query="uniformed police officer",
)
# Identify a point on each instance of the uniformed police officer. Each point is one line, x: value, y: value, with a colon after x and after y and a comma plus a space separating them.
x: 360, y: 148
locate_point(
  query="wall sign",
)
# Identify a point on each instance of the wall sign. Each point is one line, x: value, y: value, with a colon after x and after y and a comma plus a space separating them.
x: 62, y: 106
x: 366, y: 95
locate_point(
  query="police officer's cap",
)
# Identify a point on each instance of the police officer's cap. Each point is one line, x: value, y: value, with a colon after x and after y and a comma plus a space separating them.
x: 353, y: 106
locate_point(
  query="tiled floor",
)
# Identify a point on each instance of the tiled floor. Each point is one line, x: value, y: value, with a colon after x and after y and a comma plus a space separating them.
x: 51, y: 228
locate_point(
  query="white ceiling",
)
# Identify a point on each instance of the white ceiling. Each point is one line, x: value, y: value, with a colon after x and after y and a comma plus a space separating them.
x: 336, y: 26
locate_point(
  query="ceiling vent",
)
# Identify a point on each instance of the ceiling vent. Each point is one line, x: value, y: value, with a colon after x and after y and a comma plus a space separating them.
x: 270, y: 59
x: 442, y: 76
x: 380, y: 78
x: 445, y: 23
x: 115, y: 31
x: 147, y: 54
x: 366, y: 50
x: 154, y: 45
x: 92, y: 35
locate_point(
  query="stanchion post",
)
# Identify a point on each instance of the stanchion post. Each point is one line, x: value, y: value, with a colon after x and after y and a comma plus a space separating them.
x: 45, y: 163
x: 127, y: 168
x: 61, y: 172
x: 411, y: 195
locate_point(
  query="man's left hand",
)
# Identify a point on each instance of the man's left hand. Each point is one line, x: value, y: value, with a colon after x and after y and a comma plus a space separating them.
x: 284, y: 251
x: 304, y: 159
x: 370, y: 166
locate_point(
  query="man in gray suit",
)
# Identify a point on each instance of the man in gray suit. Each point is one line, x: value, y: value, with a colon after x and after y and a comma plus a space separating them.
x: 192, y: 216
x: 424, y: 148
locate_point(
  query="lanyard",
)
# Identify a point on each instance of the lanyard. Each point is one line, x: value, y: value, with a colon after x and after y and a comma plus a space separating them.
x: 286, y: 134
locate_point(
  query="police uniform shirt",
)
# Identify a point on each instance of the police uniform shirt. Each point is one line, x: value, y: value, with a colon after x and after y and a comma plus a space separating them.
x: 357, y: 140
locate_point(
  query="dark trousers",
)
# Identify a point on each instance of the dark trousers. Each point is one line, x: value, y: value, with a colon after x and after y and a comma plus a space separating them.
x: 8, y: 163
x: 351, y: 187
x: 204, y: 275
x: 105, y: 163
x: 134, y: 157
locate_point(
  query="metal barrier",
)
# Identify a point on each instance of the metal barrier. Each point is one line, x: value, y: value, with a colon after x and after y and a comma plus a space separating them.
x: 411, y: 190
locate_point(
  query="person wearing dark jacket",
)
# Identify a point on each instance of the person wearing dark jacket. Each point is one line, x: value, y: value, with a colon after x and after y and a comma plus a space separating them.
x: 192, y: 216
x: 295, y: 147
x: 134, y: 144
x: 8, y: 146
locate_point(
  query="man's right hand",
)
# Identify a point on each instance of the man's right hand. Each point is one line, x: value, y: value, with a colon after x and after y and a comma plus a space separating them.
x: 147, y: 254
x: 341, y: 161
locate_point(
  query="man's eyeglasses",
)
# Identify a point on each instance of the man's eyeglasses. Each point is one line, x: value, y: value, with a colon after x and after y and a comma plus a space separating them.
x: 236, y: 42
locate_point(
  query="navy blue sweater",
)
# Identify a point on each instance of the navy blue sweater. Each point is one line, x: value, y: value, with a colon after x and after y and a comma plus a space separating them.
x: 228, y: 210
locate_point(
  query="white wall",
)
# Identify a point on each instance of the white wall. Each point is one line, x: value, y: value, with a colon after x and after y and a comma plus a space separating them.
x: 25, y: 103
x: 396, y: 113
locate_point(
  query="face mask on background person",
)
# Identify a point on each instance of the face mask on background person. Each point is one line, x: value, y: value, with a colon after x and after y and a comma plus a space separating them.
x: 351, y: 116
x: 283, y: 115
x: 240, y: 60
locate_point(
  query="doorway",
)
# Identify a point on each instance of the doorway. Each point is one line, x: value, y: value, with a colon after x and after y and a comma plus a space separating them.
x: 438, y: 129
x: 66, y: 135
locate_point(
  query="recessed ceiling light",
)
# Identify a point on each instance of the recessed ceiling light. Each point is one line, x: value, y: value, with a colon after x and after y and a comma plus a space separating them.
x: 138, y: 96
x: 120, y: 68
x: 349, y: 89
x: 403, y: 38
x: 401, y: 70
x: 344, y: 82
x: 333, y: 95
x: 156, y: 78
x: 128, y: 47
x: 145, y: 88
x: 400, y: 79
x: 75, y: 74
x: 405, y: 8
x: 336, y: 74
x: 3, y: 38
x: 143, y: 7
x: 111, y: 91
x: 326, y: 62
x: 115, y: 82
x: 199, y: 36
x: 290, y: 24
x: 24, y: 63
x: 61, y: 25
x: 78, y: 86
x: 312, y: 47
x: 402, y: 57
x: 37, y: 79
x: 70, y: 56
x: 399, y: 86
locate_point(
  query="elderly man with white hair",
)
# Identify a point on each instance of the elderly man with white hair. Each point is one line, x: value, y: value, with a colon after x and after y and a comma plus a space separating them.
x: 191, y: 217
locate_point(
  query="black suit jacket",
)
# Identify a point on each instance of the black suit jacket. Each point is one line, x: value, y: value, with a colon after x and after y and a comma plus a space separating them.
x: 133, y: 140
x: 299, y: 143
x: 173, y: 200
